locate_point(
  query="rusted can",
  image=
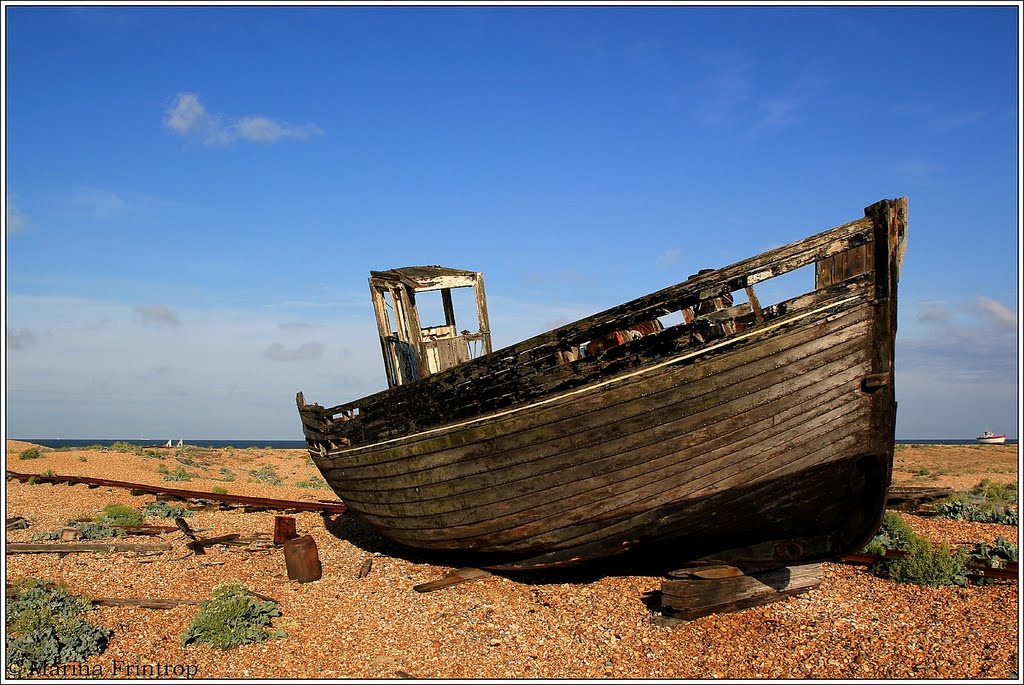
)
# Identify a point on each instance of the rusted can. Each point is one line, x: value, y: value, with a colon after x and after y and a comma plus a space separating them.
x: 302, y: 559
x: 284, y: 529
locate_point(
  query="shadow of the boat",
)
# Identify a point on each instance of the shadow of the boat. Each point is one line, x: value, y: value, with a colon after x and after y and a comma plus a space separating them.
x: 352, y: 529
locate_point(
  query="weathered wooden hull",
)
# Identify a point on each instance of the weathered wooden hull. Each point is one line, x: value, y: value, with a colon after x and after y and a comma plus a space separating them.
x: 770, y: 445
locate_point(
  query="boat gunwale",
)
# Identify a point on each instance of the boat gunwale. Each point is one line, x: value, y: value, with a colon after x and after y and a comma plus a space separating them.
x: 800, y: 349
x: 598, y: 383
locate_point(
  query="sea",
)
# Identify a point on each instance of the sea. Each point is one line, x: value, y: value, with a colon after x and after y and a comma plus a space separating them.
x: 301, y: 444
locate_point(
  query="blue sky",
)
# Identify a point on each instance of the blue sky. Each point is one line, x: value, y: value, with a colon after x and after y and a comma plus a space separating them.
x: 194, y: 196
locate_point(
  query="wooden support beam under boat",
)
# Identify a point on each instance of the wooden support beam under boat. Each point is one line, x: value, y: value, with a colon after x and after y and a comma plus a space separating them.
x: 725, y: 589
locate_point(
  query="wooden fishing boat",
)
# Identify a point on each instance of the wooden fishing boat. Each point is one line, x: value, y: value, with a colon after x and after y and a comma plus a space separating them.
x: 754, y: 433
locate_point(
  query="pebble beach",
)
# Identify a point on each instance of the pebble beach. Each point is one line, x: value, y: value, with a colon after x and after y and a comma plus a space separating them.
x: 575, y: 624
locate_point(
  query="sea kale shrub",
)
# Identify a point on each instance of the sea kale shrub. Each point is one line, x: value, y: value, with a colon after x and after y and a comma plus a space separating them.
x: 178, y: 474
x: 46, y: 626
x: 925, y: 564
x: 165, y: 510
x: 994, y: 556
x: 86, y: 531
x: 917, y: 561
x: 232, y: 617
x: 986, y: 502
x: 119, y: 515
x: 313, y: 482
x: 31, y: 453
x: 266, y: 474
x: 893, y: 534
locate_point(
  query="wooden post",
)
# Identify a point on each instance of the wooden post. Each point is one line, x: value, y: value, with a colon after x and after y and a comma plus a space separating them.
x: 449, y: 308
x: 302, y: 559
x: 481, y: 312
x: 284, y: 529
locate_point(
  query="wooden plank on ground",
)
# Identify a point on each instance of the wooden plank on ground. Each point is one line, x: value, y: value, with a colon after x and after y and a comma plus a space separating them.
x: 63, y: 548
x: 461, y: 575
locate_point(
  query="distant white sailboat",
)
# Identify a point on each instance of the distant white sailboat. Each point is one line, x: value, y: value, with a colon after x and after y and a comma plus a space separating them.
x: 168, y: 443
x: 180, y: 442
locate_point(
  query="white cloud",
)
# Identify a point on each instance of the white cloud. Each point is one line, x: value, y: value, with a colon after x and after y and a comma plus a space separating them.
x: 188, y: 117
x: 186, y: 114
x: 264, y: 130
x: 15, y: 219
x: 295, y: 326
x: 306, y: 352
x: 100, y: 374
x: 20, y: 339
x: 669, y: 257
x: 933, y: 311
x: 949, y: 121
x: 1005, y: 318
x: 157, y: 314
x: 99, y: 203
x: 777, y: 110
x: 962, y: 344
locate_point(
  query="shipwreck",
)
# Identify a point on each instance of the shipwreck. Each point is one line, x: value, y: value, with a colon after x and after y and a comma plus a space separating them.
x: 754, y: 433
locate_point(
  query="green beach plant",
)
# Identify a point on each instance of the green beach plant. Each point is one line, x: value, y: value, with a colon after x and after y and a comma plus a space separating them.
x: 986, y: 502
x: 231, y: 618
x: 893, y: 534
x: 266, y: 474
x: 165, y: 510
x: 31, y: 453
x: 177, y: 474
x: 46, y: 625
x: 926, y: 564
x: 119, y: 515
x: 919, y: 562
x: 312, y: 482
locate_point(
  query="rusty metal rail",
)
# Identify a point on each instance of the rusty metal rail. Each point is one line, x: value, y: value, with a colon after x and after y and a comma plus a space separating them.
x: 282, y: 504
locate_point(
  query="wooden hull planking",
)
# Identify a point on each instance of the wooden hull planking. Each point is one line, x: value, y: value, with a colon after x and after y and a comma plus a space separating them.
x: 770, y: 445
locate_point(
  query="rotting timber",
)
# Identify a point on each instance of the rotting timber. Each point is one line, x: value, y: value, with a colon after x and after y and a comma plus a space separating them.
x: 752, y: 434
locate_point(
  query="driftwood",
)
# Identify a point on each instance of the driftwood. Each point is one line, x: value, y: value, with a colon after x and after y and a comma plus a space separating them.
x: 63, y: 548
x: 183, y: 526
x: 364, y: 568
x: 17, y: 523
x: 456, y: 577
x: 270, y: 503
x: 145, y: 530
x: 145, y: 603
x: 198, y: 545
x: 909, y: 498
